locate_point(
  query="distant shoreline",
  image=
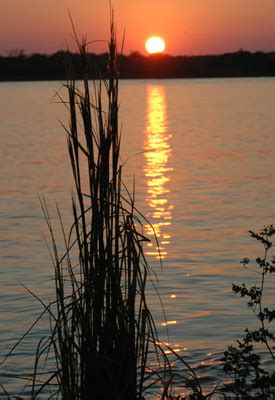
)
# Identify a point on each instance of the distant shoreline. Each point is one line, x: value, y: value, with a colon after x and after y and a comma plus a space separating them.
x: 142, y: 79
x: 39, y: 67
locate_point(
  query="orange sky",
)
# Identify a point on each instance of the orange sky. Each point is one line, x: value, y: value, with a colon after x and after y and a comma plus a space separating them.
x: 188, y: 26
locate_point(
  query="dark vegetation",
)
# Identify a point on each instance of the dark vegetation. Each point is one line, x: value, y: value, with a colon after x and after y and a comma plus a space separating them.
x: 250, y: 364
x: 17, y: 66
x: 102, y: 326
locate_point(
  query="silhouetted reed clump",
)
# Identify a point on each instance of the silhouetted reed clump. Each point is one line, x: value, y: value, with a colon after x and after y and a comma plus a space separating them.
x: 102, y: 326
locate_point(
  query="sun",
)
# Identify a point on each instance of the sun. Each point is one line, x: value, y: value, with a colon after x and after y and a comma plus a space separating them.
x: 155, y: 45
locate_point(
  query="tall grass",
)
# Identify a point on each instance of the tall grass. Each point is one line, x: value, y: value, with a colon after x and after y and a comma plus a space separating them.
x: 102, y: 328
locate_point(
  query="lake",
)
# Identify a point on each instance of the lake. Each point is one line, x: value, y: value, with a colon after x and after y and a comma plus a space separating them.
x: 201, y: 153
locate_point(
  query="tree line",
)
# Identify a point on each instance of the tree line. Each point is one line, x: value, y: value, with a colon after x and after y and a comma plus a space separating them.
x: 17, y: 66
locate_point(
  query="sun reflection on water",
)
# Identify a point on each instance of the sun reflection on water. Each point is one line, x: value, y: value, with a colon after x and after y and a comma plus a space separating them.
x: 157, y: 154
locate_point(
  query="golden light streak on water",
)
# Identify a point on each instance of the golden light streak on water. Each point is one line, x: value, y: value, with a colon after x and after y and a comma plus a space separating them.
x: 156, y: 169
x: 174, y: 322
x: 171, y: 352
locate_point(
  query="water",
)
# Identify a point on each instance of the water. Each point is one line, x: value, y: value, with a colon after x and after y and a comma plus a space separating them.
x: 202, y: 153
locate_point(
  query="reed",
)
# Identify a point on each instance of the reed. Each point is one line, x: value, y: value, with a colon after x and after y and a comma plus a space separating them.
x: 102, y: 327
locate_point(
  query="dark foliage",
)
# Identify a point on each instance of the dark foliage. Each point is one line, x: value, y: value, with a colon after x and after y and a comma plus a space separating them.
x: 244, y: 364
x: 18, y: 66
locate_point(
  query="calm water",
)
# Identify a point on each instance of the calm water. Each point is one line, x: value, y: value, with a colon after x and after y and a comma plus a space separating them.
x: 202, y: 153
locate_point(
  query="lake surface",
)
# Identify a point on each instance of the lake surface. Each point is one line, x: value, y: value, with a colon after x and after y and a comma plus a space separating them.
x: 202, y: 154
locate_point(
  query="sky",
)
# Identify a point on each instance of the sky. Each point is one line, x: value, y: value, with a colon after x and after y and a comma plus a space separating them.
x: 189, y: 27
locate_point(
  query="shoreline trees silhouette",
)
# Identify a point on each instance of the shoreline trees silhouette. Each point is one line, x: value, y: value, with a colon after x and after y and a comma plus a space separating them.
x: 17, y: 66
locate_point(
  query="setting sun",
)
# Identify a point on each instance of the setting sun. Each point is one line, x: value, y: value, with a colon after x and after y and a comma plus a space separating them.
x: 155, y: 45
